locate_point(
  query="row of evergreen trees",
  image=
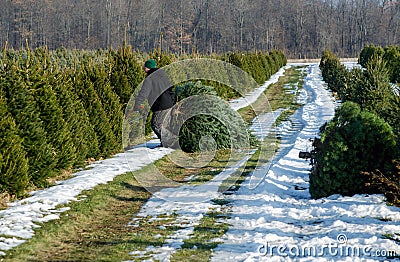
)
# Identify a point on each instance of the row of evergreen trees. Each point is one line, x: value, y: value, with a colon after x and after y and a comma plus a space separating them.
x: 61, y: 108
x: 359, y: 147
x: 260, y: 66
x: 65, y: 111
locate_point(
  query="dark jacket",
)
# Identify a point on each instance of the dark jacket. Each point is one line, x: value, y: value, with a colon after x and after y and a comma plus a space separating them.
x: 157, y: 90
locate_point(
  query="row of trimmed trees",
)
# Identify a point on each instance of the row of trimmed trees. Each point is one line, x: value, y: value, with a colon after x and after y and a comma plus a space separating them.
x: 59, y: 109
x: 360, y: 146
x: 64, y: 109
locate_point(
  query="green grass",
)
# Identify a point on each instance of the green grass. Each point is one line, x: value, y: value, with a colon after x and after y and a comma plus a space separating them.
x: 94, y: 228
x: 201, y: 243
x: 276, y: 96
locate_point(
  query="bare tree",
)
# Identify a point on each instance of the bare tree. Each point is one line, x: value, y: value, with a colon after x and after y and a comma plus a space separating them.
x: 301, y: 28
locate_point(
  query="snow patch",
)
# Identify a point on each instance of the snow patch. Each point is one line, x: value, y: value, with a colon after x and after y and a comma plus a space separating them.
x: 22, y: 217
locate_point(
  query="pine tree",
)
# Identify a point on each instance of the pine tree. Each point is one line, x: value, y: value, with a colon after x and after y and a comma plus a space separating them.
x: 235, y: 59
x: 392, y: 59
x: 82, y: 132
x: 374, y: 91
x: 369, y: 52
x: 14, y: 175
x: 216, y: 120
x: 126, y: 73
x: 267, y: 70
x: 95, y: 110
x: 26, y: 113
x: 355, y: 141
x: 110, y: 102
x: 51, y: 114
x: 162, y: 58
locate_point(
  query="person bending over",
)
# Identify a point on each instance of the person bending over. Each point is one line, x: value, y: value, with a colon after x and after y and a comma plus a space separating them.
x: 157, y: 90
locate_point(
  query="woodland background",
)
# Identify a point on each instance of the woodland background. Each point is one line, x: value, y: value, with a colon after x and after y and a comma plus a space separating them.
x: 300, y: 28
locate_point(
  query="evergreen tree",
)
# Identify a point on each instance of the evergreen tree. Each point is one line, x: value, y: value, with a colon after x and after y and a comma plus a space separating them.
x: 369, y: 52
x: 392, y: 59
x: 83, y: 135
x: 217, y: 120
x: 330, y: 65
x: 126, y: 73
x: 235, y: 59
x: 110, y: 101
x: 51, y: 114
x: 14, y: 175
x: 355, y: 141
x: 95, y: 110
x: 265, y: 68
x: 271, y: 66
x: 26, y: 113
x: 374, y: 91
x: 162, y: 58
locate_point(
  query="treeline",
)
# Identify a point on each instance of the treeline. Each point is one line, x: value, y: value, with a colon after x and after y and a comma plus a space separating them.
x: 301, y: 28
x: 60, y: 109
x: 359, y: 150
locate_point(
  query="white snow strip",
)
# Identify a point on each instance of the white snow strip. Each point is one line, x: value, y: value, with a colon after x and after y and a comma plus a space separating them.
x: 189, y: 203
x: 251, y: 97
x: 278, y: 220
x: 17, y: 223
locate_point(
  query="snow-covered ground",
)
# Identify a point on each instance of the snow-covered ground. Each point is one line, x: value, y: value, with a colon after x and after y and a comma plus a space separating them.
x: 188, y: 204
x: 253, y: 96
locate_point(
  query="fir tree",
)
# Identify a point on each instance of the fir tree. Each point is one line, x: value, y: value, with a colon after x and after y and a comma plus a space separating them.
x: 77, y: 119
x: 355, y: 141
x: 374, y: 91
x: 95, y: 110
x: 392, y: 59
x: 368, y: 53
x: 51, y: 114
x: 216, y: 120
x: 26, y: 113
x: 14, y: 176
x: 110, y: 102
x: 126, y: 73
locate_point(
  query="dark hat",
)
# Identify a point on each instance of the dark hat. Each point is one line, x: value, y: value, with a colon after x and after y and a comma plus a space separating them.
x: 150, y: 64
